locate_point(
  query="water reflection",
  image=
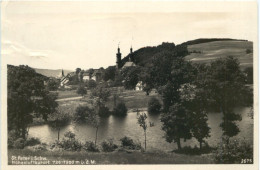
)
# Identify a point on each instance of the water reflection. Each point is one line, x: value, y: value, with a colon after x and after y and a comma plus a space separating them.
x: 118, y: 127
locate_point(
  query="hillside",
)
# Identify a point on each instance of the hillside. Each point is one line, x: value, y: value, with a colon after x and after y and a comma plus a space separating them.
x: 206, y: 52
x: 145, y: 55
x: 51, y: 73
x: 198, y: 51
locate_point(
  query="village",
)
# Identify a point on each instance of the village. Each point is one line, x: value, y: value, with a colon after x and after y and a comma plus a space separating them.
x: 97, y: 75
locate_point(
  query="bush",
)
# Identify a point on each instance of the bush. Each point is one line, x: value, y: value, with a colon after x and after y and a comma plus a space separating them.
x: 90, y: 146
x: 154, y: 106
x: 104, y: 111
x: 81, y: 90
x: 233, y: 152
x: 108, y: 146
x: 81, y: 113
x: 19, y: 143
x: 32, y: 141
x: 120, y: 110
x: 69, y: 143
x: 129, y: 143
x: 91, y: 84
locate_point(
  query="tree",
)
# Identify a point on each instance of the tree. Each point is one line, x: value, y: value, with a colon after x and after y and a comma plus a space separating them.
x: 227, y: 89
x: 91, y: 84
x: 26, y: 96
x: 249, y: 75
x: 94, y: 119
x: 154, y: 106
x: 53, y: 84
x: 109, y: 73
x: 81, y: 113
x: 101, y: 95
x: 176, y: 124
x: 194, y: 99
x: 58, y: 119
x: 141, y: 120
x: 131, y: 76
x: 81, y: 90
x: 78, y: 70
x: 120, y: 109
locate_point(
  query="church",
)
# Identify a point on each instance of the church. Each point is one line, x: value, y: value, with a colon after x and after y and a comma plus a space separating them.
x: 120, y: 64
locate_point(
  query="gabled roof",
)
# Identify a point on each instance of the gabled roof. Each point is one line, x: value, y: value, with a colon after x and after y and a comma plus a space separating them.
x: 129, y: 64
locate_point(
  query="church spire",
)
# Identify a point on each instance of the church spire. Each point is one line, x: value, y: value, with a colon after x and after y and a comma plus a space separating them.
x: 118, y: 58
x: 62, y: 73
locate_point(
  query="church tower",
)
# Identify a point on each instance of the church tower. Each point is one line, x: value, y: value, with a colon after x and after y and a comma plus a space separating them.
x: 62, y: 73
x: 131, y: 55
x: 118, y: 58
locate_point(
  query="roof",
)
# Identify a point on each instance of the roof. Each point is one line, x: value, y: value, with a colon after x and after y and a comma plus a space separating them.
x: 86, y: 74
x: 129, y: 64
x: 96, y: 72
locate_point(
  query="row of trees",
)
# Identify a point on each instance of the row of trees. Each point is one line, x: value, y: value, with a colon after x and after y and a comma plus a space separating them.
x: 189, y: 91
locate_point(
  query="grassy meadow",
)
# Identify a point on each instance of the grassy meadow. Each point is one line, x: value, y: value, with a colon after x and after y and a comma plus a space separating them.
x: 207, y: 52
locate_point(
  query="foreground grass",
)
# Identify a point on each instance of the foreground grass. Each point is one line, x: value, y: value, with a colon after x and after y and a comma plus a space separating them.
x: 120, y: 157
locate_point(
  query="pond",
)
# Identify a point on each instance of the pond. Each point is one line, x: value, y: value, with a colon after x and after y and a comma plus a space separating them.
x: 117, y: 127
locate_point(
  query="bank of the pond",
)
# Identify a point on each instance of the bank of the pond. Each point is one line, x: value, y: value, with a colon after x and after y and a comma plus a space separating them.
x: 136, y: 157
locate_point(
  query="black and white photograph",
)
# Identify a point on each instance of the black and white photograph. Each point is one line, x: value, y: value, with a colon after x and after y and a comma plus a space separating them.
x: 129, y: 83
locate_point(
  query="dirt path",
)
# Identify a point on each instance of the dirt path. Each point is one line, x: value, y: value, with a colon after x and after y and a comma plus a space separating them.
x: 69, y: 98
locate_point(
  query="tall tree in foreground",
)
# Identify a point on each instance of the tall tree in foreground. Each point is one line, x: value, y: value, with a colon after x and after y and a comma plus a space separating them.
x: 58, y: 119
x: 227, y: 89
x: 176, y: 124
x: 27, y: 96
x: 141, y: 120
x: 94, y: 119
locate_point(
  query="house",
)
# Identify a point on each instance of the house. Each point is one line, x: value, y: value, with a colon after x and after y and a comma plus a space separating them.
x: 86, y: 76
x: 65, y: 79
x: 139, y: 86
x: 97, y: 75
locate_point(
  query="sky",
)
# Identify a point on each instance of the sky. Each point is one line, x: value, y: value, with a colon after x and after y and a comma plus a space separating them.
x: 67, y: 35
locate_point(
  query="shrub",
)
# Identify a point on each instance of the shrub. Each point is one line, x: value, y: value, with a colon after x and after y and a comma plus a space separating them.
x: 81, y: 113
x: 103, y: 111
x: 70, y: 135
x: 154, y: 106
x: 233, y: 152
x: 19, y: 143
x: 41, y: 147
x: 129, y: 143
x: 69, y: 143
x: 90, y: 146
x: 32, y: 141
x: 108, y: 146
x: 12, y: 136
x: 91, y: 84
x: 120, y: 110
x: 81, y: 90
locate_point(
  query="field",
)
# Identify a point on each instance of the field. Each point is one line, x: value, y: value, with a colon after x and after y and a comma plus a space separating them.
x: 133, y: 99
x: 206, y: 52
x: 123, y: 157
x: 67, y: 94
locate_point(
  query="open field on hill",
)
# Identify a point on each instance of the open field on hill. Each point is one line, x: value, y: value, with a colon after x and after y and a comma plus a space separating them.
x: 206, y: 52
